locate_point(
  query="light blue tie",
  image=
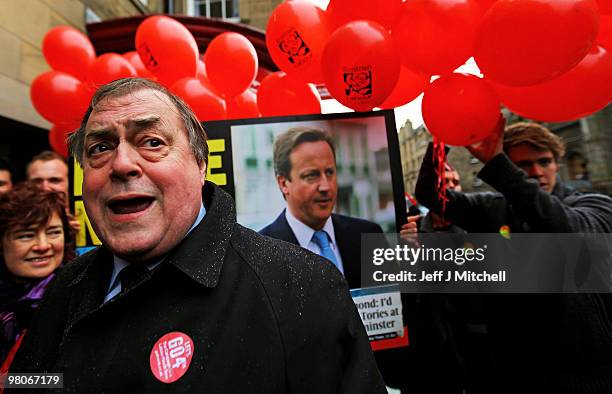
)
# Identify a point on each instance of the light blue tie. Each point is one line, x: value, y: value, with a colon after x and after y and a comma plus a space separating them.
x: 321, y: 239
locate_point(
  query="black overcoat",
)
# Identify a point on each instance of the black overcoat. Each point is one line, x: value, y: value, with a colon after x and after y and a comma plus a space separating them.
x: 265, y: 316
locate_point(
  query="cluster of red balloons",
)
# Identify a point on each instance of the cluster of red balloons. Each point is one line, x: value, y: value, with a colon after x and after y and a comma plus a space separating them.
x: 532, y: 64
x: 217, y: 84
x: 384, y: 54
x: 368, y: 54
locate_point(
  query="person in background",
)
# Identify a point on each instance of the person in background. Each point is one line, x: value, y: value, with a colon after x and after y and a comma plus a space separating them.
x: 439, y: 318
x: 6, y: 176
x: 35, y: 239
x: 535, y: 342
x: 433, y: 222
x: 50, y: 171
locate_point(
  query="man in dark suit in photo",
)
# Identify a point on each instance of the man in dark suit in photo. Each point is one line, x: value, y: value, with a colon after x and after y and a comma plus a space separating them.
x: 305, y: 169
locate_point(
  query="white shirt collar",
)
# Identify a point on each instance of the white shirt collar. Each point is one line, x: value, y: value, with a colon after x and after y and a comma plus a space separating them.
x: 119, y: 263
x: 303, y: 233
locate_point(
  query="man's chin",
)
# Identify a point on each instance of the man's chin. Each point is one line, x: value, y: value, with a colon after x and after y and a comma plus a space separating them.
x: 134, y: 251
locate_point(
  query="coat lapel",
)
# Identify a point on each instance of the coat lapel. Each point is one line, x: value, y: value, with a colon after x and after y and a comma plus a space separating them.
x: 88, y: 289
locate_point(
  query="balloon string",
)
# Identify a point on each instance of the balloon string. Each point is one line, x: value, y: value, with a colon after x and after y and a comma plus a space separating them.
x: 439, y: 158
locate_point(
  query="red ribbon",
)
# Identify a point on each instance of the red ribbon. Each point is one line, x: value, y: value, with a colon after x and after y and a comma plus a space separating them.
x: 439, y: 161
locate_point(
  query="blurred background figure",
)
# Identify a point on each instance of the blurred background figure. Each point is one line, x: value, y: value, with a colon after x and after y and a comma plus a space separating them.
x: 6, y: 175
x: 433, y: 222
x: 50, y: 171
x: 36, y: 239
x: 578, y: 172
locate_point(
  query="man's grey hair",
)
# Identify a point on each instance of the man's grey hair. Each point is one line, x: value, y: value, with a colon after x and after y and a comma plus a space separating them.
x: 285, y: 144
x: 122, y: 87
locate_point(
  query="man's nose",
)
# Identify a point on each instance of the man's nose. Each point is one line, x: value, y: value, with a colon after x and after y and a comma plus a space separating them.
x: 535, y: 171
x: 125, y: 164
x: 45, y: 185
x: 325, y: 183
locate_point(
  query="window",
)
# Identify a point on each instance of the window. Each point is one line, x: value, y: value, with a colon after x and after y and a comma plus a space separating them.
x: 226, y: 9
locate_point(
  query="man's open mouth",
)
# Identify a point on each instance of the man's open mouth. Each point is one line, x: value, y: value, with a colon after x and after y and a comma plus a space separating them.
x: 130, y: 205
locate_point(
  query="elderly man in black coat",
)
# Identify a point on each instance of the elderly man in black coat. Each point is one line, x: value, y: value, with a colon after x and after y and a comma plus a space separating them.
x: 180, y: 298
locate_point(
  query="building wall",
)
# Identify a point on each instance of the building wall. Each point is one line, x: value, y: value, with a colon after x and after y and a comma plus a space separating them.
x: 256, y: 12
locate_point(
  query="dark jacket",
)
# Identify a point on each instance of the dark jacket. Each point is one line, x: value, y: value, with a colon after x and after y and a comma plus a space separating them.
x: 348, y: 232
x: 19, y: 301
x: 559, y: 343
x: 264, y: 316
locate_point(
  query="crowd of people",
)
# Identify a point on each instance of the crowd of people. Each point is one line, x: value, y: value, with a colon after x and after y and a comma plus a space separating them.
x: 271, y: 311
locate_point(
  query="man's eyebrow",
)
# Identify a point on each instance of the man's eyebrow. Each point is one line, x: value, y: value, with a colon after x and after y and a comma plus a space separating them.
x: 144, y: 123
x: 98, y: 134
x: 137, y: 124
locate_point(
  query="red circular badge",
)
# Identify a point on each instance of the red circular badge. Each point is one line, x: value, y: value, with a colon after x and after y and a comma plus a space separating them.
x: 171, y: 356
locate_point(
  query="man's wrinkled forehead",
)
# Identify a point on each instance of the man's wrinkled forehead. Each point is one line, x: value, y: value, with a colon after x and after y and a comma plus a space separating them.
x: 142, y: 103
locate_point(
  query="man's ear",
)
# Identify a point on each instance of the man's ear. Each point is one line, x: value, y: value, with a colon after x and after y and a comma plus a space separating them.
x: 282, y: 184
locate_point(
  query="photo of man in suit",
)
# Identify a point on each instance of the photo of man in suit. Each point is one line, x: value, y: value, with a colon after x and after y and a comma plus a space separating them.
x: 305, y: 168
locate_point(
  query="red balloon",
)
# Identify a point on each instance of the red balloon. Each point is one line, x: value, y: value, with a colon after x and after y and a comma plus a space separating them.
x: 408, y: 87
x: 280, y: 94
x: 384, y: 12
x: 201, y: 71
x: 58, y: 136
x: 360, y: 65
x: 521, y: 43
x: 585, y: 89
x: 604, y: 38
x: 59, y: 97
x: 484, y: 5
x: 460, y: 109
x: 136, y: 62
x: 295, y: 36
x: 67, y: 49
x: 206, y: 105
x: 231, y: 63
x: 167, y: 49
x: 108, y: 68
x: 605, y: 7
x: 436, y: 36
x: 242, y: 106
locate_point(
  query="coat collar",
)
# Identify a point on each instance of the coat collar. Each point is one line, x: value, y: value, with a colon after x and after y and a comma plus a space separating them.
x: 199, y: 255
